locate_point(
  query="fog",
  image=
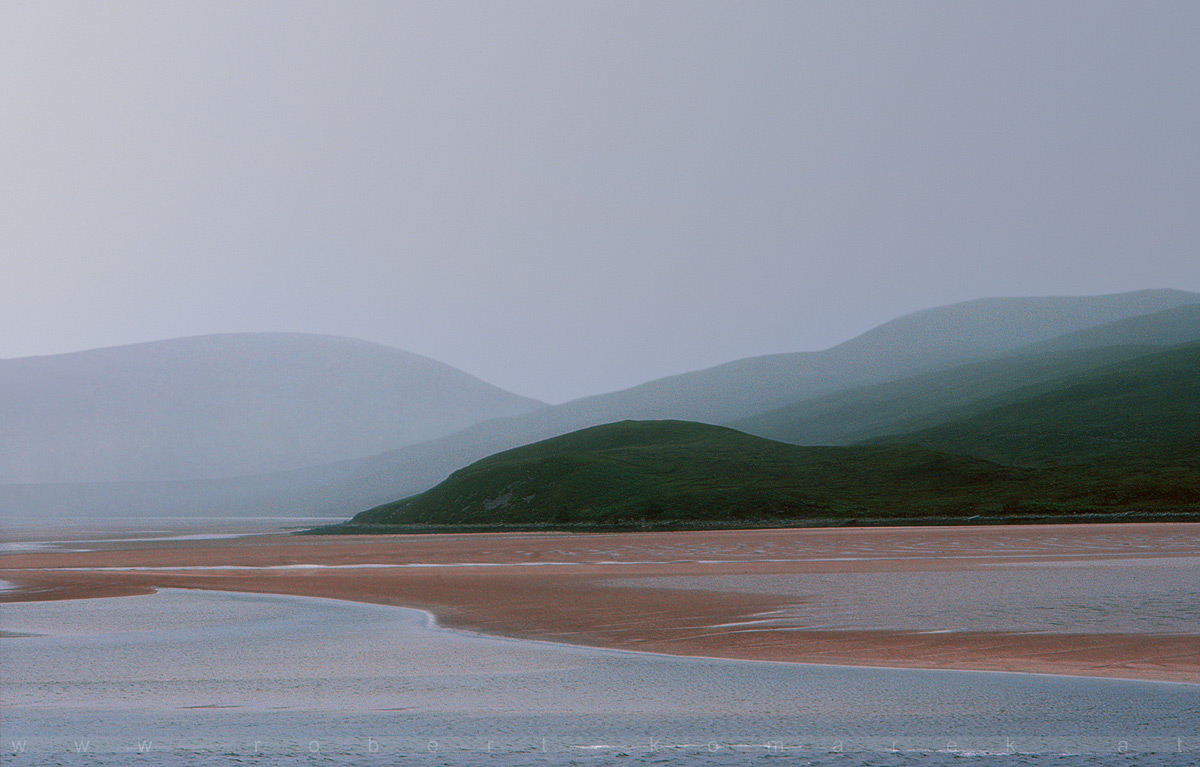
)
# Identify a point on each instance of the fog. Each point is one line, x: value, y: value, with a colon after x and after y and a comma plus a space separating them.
x: 570, y: 198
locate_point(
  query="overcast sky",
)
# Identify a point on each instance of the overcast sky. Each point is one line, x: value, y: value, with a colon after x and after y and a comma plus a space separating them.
x: 565, y: 198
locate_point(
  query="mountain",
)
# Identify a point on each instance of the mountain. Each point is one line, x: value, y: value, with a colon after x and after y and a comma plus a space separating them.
x: 670, y: 473
x: 226, y: 405
x: 1144, y: 411
x: 924, y: 400
x: 925, y: 342
x: 635, y: 472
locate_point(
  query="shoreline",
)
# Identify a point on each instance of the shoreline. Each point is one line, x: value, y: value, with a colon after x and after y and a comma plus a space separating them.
x: 799, y: 523
x: 575, y: 593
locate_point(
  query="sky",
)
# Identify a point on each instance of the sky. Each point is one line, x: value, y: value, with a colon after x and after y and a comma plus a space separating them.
x: 570, y: 198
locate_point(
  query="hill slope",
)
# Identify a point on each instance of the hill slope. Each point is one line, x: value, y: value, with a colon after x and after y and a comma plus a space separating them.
x: 667, y: 472
x: 225, y: 405
x: 636, y: 471
x: 925, y: 400
x: 928, y: 339
x: 1141, y: 410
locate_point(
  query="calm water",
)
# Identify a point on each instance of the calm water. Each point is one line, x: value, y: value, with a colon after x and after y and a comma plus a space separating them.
x: 218, y: 678
x: 1146, y: 595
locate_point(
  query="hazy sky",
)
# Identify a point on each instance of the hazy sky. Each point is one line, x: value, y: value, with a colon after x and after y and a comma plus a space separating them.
x: 565, y: 198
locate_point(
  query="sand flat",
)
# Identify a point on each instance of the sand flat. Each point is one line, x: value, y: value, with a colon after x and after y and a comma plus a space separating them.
x: 835, y: 596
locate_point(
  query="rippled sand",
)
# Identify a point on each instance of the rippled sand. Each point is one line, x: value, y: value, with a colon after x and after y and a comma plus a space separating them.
x: 1098, y: 600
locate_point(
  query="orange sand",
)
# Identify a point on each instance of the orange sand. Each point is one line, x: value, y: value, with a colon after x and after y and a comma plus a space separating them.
x: 485, y: 582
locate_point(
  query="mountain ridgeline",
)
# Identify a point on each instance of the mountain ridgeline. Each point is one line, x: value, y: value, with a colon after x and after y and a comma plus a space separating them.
x: 1163, y: 317
x: 227, y: 405
x: 915, y: 402
x: 1143, y: 412
x: 930, y: 415
x: 667, y: 474
x: 1068, y: 433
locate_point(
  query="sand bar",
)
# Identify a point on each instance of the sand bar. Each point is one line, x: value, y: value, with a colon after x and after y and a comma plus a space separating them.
x: 761, y: 594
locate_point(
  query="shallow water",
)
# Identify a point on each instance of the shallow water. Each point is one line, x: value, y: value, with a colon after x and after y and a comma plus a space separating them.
x: 1147, y: 595
x: 78, y: 534
x: 221, y: 678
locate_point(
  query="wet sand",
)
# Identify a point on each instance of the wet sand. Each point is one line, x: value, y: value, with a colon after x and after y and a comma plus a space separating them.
x: 609, y: 590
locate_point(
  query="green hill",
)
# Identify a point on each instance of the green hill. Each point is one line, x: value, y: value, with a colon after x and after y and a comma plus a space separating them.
x: 664, y: 473
x: 926, y: 400
x: 1060, y: 431
x: 1143, y: 412
x: 878, y: 411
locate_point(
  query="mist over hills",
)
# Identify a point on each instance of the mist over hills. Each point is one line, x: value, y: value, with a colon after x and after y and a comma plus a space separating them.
x: 227, y: 405
x: 920, y: 366
x: 709, y: 396
x: 1093, y: 439
x: 1136, y: 412
x: 920, y: 401
x: 651, y: 472
x: 926, y: 340
x: 669, y: 474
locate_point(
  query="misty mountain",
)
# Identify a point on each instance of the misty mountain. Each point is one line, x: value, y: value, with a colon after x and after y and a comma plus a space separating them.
x: 924, y: 342
x: 647, y: 473
x: 924, y: 400
x: 929, y: 340
x: 1144, y: 411
x: 675, y: 474
x: 226, y: 405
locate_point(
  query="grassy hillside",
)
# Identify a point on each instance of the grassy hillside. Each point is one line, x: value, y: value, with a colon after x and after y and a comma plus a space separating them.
x: 923, y: 341
x: 929, y: 340
x: 651, y: 473
x: 926, y: 400
x: 921, y: 401
x: 276, y: 401
x: 1143, y: 412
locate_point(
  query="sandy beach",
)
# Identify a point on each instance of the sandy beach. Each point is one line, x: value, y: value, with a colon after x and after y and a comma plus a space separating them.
x: 1104, y: 600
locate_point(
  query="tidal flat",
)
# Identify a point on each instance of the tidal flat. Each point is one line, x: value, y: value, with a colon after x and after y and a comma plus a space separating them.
x: 520, y: 651
x: 189, y: 673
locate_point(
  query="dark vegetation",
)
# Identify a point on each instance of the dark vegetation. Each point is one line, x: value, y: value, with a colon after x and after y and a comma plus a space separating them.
x: 1143, y: 412
x: 1046, y: 434
x: 1119, y: 442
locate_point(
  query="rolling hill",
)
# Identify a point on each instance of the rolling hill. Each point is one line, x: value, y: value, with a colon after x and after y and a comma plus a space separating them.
x: 927, y: 340
x: 925, y: 400
x: 710, y: 395
x: 634, y: 472
x: 1045, y: 338
x: 666, y: 473
x: 227, y: 405
x: 1143, y: 411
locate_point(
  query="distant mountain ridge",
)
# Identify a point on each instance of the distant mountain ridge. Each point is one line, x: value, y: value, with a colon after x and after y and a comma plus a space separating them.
x: 649, y: 472
x: 665, y: 474
x: 717, y: 394
x: 1144, y: 411
x: 925, y: 340
x: 914, y: 402
x: 227, y: 405
x: 1067, y: 332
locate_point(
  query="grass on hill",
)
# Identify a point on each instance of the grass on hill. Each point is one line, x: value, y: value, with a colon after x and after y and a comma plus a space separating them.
x: 1142, y: 414
x: 926, y: 400
x: 663, y: 473
x: 933, y: 398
